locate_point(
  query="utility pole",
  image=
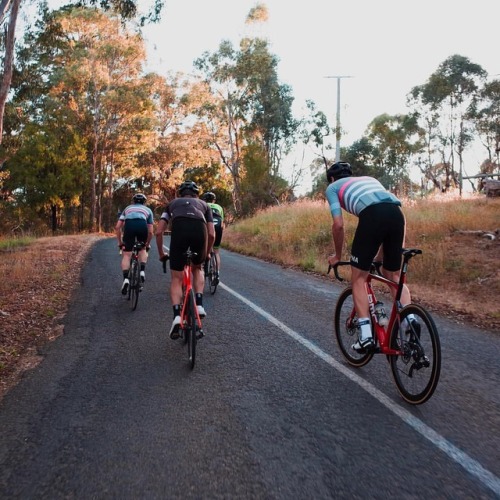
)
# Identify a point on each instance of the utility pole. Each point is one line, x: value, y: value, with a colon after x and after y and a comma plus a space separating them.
x: 338, y: 129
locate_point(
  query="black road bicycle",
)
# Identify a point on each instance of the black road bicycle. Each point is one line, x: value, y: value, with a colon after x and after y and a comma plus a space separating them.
x: 134, y: 278
x: 212, y: 273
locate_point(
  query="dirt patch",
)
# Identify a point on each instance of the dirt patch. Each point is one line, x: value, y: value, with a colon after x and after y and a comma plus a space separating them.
x: 35, y: 298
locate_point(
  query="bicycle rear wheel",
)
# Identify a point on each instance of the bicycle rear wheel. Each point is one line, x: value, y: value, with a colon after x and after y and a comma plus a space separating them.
x: 134, y: 286
x: 190, y: 331
x: 213, y: 274
x: 416, y: 372
x: 346, y: 331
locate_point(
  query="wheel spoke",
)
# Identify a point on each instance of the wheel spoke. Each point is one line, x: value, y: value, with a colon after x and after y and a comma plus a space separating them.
x: 346, y: 331
x: 416, y: 371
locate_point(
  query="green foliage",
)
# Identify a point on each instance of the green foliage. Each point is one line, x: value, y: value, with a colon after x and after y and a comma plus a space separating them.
x: 8, y: 244
x: 253, y: 108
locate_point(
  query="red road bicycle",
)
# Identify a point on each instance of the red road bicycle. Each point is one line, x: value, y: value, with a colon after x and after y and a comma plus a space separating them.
x: 190, y: 328
x: 409, y: 338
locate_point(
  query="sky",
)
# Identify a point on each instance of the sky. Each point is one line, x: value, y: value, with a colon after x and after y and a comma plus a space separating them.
x: 387, y: 47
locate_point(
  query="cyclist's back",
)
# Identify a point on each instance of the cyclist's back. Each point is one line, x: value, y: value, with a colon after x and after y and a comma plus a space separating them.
x: 354, y: 194
x: 191, y: 224
x: 134, y: 224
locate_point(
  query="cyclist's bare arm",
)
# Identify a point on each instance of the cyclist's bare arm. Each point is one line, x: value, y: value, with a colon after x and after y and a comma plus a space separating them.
x: 160, y: 229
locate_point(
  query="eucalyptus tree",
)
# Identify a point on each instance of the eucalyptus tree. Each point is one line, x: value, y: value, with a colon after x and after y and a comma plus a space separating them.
x: 485, y: 113
x: 9, y: 10
x: 47, y: 171
x: 447, y: 96
x: 247, y: 105
x: 394, y: 140
x: 87, y: 62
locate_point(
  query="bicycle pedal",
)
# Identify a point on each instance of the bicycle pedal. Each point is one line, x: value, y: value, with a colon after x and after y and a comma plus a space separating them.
x: 199, y: 334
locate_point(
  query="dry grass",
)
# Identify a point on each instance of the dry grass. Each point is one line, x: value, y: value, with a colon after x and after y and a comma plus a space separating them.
x: 458, y: 274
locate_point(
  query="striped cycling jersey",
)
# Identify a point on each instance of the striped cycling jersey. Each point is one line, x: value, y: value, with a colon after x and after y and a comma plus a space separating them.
x: 354, y: 194
x: 137, y: 211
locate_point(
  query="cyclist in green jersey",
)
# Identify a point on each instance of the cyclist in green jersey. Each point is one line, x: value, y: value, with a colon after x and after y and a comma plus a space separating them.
x: 218, y: 215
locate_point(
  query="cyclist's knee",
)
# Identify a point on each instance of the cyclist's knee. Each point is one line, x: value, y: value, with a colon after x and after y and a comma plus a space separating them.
x: 391, y: 275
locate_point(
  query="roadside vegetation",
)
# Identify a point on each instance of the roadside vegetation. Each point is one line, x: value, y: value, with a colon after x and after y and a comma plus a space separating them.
x: 87, y: 124
x: 458, y: 271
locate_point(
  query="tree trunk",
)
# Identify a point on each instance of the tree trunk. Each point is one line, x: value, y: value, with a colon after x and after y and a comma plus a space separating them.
x: 53, y: 218
x: 8, y: 63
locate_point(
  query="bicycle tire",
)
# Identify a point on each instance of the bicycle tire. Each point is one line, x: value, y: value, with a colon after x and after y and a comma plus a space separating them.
x: 190, y: 331
x: 129, y: 291
x: 346, y: 332
x: 416, y: 372
x: 213, y: 274
x: 134, y: 285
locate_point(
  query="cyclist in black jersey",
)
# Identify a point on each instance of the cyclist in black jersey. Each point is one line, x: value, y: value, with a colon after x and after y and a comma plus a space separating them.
x: 192, y: 226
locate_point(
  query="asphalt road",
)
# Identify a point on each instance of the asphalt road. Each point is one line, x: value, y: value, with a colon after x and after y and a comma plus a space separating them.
x: 269, y: 412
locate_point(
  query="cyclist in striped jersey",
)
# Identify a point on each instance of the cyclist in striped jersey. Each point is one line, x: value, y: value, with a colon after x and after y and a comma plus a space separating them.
x: 380, y: 234
x: 134, y: 224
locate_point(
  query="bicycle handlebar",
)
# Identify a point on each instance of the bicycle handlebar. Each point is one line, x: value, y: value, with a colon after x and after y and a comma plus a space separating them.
x: 335, y: 268
x: 164, y: 263
x: 408, y: 253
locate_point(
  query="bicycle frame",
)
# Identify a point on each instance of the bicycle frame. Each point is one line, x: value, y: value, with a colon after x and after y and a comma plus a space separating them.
x: 383, y: 333
x: 187, y: 286
x: 135, y: 286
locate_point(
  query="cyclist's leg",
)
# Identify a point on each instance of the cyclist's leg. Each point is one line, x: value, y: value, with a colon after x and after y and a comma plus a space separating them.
x: 365, y: 245
x: 128, y: 242
x: 367, y: 240
x: 217, y: 242
x: 391, y: 248
x: 198, y: 244
x: 178, y: 246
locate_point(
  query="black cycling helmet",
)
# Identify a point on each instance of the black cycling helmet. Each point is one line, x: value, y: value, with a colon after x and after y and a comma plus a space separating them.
x: 139, y: 198
x: 209, y: 197
x: 338, y: 170
x: 189, y: 186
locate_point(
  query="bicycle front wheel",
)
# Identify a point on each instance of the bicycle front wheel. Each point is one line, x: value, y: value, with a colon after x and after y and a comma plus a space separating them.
x: 134, y: 286
x: 416, y: 371
x: 190, y: 331
x: 346, y: 330
x: 213, y: 274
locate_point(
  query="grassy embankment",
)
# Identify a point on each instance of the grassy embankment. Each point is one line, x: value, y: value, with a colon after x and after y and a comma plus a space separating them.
x: 452, y: 264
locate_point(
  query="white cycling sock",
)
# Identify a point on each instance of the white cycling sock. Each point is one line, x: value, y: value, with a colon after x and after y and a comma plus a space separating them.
x: 405, y: 323
x: 365, y: 328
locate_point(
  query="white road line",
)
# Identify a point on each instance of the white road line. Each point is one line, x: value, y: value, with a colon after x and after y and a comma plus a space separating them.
x: 469, y: 464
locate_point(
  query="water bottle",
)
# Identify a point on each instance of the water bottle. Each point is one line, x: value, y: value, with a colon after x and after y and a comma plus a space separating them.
x: 382, y: 318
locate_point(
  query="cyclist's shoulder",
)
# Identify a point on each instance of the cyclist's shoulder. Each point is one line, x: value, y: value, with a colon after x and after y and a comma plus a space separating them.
x: 217, y: 209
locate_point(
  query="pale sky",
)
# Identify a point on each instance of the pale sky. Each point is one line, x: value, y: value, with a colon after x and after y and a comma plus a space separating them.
x: 387, y: 46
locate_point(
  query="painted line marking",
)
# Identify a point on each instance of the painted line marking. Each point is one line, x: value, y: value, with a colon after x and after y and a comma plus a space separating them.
x: 472, y: 466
